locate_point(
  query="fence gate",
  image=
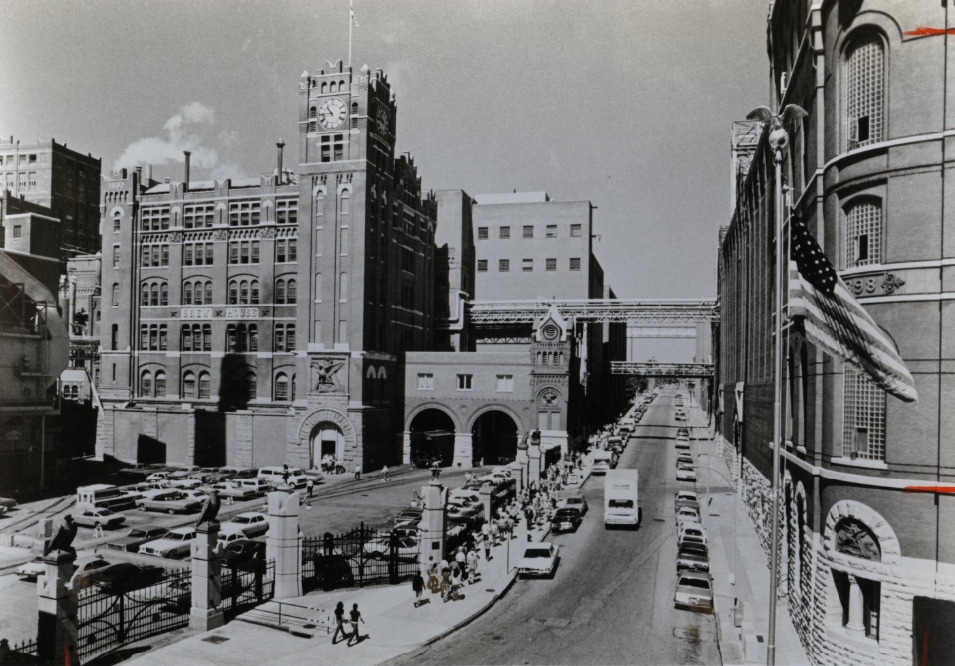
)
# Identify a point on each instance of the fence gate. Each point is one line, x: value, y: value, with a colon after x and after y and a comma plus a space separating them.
x: 359, y: 557
x: 108, y: 619
x: 246, y: 585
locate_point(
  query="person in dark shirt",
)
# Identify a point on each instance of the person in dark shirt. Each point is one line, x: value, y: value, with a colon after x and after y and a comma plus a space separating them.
x: 339, y: 621
x: 355, y: 619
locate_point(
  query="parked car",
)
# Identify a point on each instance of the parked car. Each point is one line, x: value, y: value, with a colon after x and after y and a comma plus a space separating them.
x: 140, y: 535
x: 208, y: 475
x: 694, y: 591
x: 566, y: 519
x: 98, y: 517
x: 694, y: 534
x: 539, y: 559
x: 235, y: 490
x: 159, y: 476
x: 187, y: 482
x: 183, y: 472
x: 459, y: 508
x: 256, y: 485
x: 692, y: 556
x: 409, y: 516
x: 172, y: 502
x: 380, y: 547
x: 685, y: 473
x: 176, y: 543
x: 276, y: 475
x: 240, y: 552
x: 125, y: 576
x: 467, y: 493
x: 251, y: 523
x: 684, y: 457
x: 8, y: 502
x: 86, y: 573
x: 687, y: 495
x: 687, y: 515
x: 231, y: 536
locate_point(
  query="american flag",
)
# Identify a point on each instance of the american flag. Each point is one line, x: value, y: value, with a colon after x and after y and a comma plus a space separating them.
x: 837, y: 322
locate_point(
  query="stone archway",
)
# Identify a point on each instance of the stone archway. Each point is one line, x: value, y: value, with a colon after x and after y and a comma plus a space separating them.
x: 432, y: 433
x: 327, y: 439
x: 888, y: 543
x: 494, y: 434
x: 326, y: 420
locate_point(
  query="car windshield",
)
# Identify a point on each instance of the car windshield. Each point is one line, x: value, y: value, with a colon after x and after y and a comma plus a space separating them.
x: 531, y: 553
x: 138, y: 533
x: 694, y: 582
x: 241, y: 519
x: 620, y: 504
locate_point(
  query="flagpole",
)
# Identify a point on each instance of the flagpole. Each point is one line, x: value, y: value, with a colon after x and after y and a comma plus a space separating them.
x: 778, y: 146
x: 351, y: 20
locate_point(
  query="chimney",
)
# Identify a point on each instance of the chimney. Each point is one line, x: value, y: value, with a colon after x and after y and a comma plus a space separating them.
x: 185, y: 178
x: 281, y: 147
x: 148, y: 174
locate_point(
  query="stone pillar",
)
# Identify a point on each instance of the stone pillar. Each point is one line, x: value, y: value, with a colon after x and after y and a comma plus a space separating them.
x: 406, y: 447
x: 855, y: 625
x: 517, y: 473
x: 463, y: 450
x: 431, y: 528
x: 206, y: 610
x: 57, y: 624
x: 282, y: 543
x: 487, y: 492
x: 522, y: 459
x: 44, y: 534
x: 534, y: 462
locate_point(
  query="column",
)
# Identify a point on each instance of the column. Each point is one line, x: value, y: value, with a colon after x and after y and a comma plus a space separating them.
x: 522, y: 460
x: 57, y: 624
x: 206, y: 610
x: 517, y: 473
x: 406, y: 447
x: 282, y: 544
x: 487, y: 493
x: 431, y: 527
x: 855, y: 625
x: 463, y: 450
x: 534, y: 462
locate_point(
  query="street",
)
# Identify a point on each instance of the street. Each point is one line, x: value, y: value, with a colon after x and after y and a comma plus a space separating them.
x: 611, y: 601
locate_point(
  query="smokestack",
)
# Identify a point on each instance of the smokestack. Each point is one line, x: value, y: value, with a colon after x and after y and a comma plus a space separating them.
x: 148, y: 174
x: 186, y: 176
x: 281, y: 148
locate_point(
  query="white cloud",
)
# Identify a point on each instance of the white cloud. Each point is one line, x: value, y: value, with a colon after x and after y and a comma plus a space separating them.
x: 189, y: 129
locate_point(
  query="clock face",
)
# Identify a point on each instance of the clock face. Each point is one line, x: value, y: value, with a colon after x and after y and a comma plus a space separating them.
x: 332, y: 113
x: 550, y: 332
x: 382, y: 120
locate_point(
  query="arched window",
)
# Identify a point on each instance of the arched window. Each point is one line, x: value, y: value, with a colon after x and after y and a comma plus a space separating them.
x: 253, y: 338
x: 205, y: 386
x: 160, y: 384
x: 332, y: 87
x: 345, y: 202
x: 144, y: 297
x: 244, y: 293
x: 114, y: 337
x: 188, y: 386
x: 251, y: 383
x: 154, y: 295
x: 863, y: 234
x: 187, y: 293
x: 146, y: 385
x: 115, y: 295
x: 230, y: 338
x: 234, y: 292
x: 117, y: 221
x: 241, y: 338
x: 290, y: 293
x: 164, y: 294
x: 197, y: 293
x: 75, y: 392
x: 343, y: 288
x: 280, y: 291
x: 319, y: 205
x: 255, y: 292
x: 281, y: 386
x: 354, y: 107
x: 207, y: 337
x: 324, y: 87
x: 865, y: 91
x: 208, y: 293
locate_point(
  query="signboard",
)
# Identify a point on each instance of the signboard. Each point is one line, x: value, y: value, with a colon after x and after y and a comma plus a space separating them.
x: 196, y: 313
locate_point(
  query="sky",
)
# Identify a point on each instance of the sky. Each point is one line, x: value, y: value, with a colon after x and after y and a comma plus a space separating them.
x: 626, y: 103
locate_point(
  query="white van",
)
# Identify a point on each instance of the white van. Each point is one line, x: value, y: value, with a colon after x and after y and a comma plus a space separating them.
x: 259, y: 486
x: 275, y: 476
x: 622, y: 497
x: 603, y: 461
x: 104, y: 496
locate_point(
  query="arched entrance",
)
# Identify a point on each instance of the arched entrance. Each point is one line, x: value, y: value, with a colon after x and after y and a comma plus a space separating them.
x: 432, y: 438
x: 494, y: 438
x: 327, y: 439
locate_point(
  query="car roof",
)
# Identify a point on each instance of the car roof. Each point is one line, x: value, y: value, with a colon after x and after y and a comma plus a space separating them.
x: 698, y: 575
x: 251, y: 513
x: 182, y: 530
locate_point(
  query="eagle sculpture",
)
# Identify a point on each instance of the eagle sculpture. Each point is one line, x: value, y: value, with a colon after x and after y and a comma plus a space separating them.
x: 210, y: 509
x: 63, y: 539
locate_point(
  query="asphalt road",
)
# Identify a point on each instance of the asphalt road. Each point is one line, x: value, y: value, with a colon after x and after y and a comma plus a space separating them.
x: 611, y: 601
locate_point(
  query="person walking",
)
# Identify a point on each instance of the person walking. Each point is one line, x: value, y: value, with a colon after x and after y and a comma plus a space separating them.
x: 309, y: 485
x: 355, y: 619
x: 445, y: 581
x: 384, y: 473
x: 432, y: 575
x: 417, y: 584
x: 357, y: 471
x: 472, y: 559
x: 339, y: 622
x: 98, y: 531
x: 495, y: 531
x: 462, y: 561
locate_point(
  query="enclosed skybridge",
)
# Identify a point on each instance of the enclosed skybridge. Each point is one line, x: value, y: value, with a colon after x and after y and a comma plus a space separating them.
x: 586, y: 311
x: 660, y: 370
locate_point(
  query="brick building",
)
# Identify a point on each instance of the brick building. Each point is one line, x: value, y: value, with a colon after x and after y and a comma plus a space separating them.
x: 867, y: 560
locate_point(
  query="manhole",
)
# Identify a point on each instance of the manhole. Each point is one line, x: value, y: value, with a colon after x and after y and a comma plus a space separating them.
x: 215, y: 640
x: 308, y: 626
x: 490, y: 589
x: 715, y: 514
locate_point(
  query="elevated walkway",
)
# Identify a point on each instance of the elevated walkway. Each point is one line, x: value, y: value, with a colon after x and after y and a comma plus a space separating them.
x: 595, y: 310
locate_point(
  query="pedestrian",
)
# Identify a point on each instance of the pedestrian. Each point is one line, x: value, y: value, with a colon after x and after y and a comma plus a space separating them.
x: 435, y: 470
x: 339, y: 622
x: 433, y: 576
x: 384, y: 473
x: 495, y: 531
x: 417, y: 584
x: 509, y: 527
x: 472, y: 558
x: 455, y: 581
x: 357, y: 471
x: 308, y: 489
x: 487, y: 541
x: 355, y: 619
x: 445, y: 581
x: 460, y: 558
x: 98, y: 531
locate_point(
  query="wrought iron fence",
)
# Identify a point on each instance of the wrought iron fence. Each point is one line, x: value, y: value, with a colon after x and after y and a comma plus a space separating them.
x: 21, y: 653
x: 110, y: 618
x: 245, y: 586
x: 362, y: 556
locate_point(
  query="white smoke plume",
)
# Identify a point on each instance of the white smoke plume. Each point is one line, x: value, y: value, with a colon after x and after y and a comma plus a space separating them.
x: 187, y: 130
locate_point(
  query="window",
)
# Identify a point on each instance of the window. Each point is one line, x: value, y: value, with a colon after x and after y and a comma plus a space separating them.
x: 117, y: 221
x: 482, y: 233
x: 464, y: 382
x: 528, y: 231
x: 280, y: 247
x: 290, y: 337
x: 163, y: 337
x: 116, y: 295
x: 284, y: 338
x: 280, y: 291
x: 251, y: 384
x: 425, y: 381
x: 233, y: 252
x: 253, y: 338
x: 576, y: 231
x: 332, y: 144
x: 146, y: 385
x: 292, y: 249
x: 552, y: 231
x: 230, y: 337
x: 244, y: 293
x: 198, y: 216
x: 155, y: 218
x: 187, y: 255
x: 244, y: 213
x: 187, y: 293
x: 255, y: 252
x: 281, y: 387
x: 188, y: 386
x: 208, y: 293
x: 503, y: 265
x: 209, y: 254
x: 482, y: 265
x: 186, y: 343
x: 205, y: 384
x: 505, y: 383
x: 863, y: 429
x: 527, y: 265
x: 865, y: 91
x: 575, y: 263
x: 18, y: 231
x: 505, y: 232
x: 286, y: 211
x: 290, y: 293
x: 114, y: 338
x: 116, y: 256
x: 407, y: 260
x: 863, y: 234
x: 319, y: 208
x: 233, y: 292
x: 860, y: 600
x: 254, y: 299
x: 550, y: 264
x: 160, y: 384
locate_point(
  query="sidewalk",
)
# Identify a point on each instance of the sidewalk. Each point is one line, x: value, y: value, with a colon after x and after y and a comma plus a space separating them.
x: 393, y: 626
x: 739, y: 566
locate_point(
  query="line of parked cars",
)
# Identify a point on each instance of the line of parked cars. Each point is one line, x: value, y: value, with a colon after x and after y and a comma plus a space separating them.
x: 694, y: 585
